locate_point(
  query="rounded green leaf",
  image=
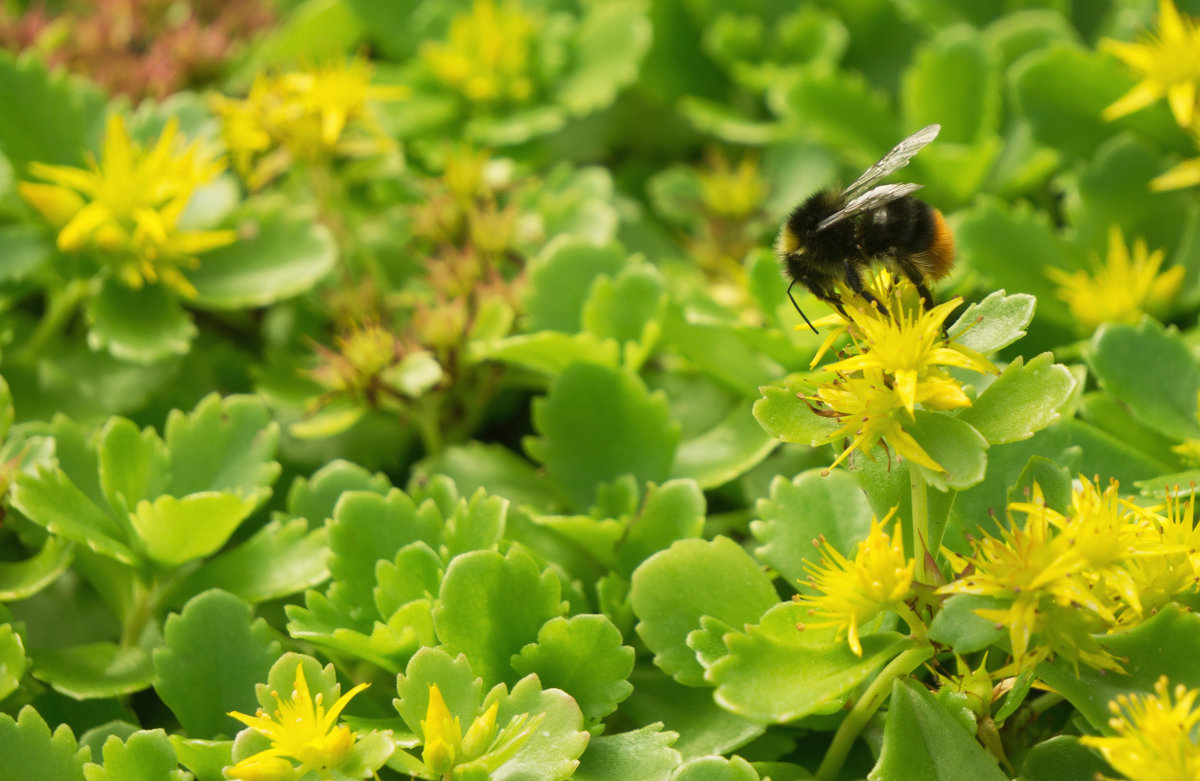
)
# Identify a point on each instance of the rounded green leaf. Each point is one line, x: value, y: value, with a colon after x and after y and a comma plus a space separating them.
x: 173, y: 531
x: 922, y: 741
x: 715, y: 769
x: 726, y: 451
x: 993, y: 323
x: 597, y: 424
x: 669, y: 512
x: 584, y: 657
x: 491, y: 606
x: 608, y: 47
x: 24, y: 248
x: 675, y: 588
x: 785, y: 415
x: 49, y: 116
x: 460, y: 687
x: 94, y: 670
x: 1153, y: 372
x: 283, y: 256
x: 955, y: 81
x: 561, y: 278
x: 225, y: 444
x: 1064, y: 758
x: 12, y: 660
x: 214, y: 653
x: 1024, y: 399
x: 644, y: 754
x: 22, y: 579
x: 144, y: 756
x: 31, y: 753
x: 142, y: 325
x: 803, y: 510
x: 704, y: 727
x: 956, y: 446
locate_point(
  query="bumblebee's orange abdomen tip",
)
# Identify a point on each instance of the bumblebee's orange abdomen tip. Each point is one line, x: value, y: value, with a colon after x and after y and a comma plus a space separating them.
x: 940, y: 255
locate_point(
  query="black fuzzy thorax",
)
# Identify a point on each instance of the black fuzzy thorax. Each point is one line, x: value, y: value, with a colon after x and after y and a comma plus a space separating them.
x: 899, y: 229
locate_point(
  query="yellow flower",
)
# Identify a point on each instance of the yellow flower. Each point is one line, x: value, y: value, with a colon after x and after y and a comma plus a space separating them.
x: 484, y: 747
x: 304, y: 115
x: 907, y: 345
x: 301, y: 731
x: 851, y: 593
x: 1121, y: 290
x: 1186, y: 174
x: 729, y: 192
x: 126, y: 205
x: 1155, y: 735
x: 870, y: 412
x: 1169, y: 64
x: 487, y: 54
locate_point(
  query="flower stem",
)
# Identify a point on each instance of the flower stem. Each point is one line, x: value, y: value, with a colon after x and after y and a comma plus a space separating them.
x: 59, y: 310
x: 866, y: 706
x: 920, y: 523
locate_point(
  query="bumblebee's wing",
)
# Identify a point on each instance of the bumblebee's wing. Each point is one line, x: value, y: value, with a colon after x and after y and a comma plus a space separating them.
x: 871, y: 199
x: 893, y: 160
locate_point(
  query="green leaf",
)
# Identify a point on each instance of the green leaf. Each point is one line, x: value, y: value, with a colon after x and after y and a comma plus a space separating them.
x: 842, y: 110
x: 673, y: 589
x: 491, y: 606
x: 50, y: 499
x: 726, y: 451
x: 607, y: 48
x: 1063, y: 91
x: 142, y: 325
x: 805, y: 509
x: 783, y: 414
x: 494, y: 468
x: 1064, y: 758
x: 281, y: 558
x: 923, y: 741
x: 174, y: 531
x: 205, y: 758
x: 144, y: 756
x: 21, y: 579
x: 715, y: 769
x: 48, y: 117
x: 415, y: 574
x: 12, y: 660
x: 775, y: 673
x: 956, y: 446
x: 669, y: 512
x: 1165, y: 644
x: 1024, y: 399
x: 283, y: 257
x: 958, y: 626
x: 25, y: 248
x: 561, y: 278
x: 313, y: 499
x: 549, y: 352
x: 31, y: 753
x: 224, y: 445
x: 213, y: 655
x: 954, y: 80
x: 476, y: 525
x: 1053, y: 478
x: 598, y: 424
x: 1152, y: 371
x: 584, y: 657
x: 703, y: 726
x: 554, y: 747
x: 94, y: 670
x: 133, y: 464
x: 644, y: 754
x: 368, y: 528
x: 994, y: 323
x: 621, y: 308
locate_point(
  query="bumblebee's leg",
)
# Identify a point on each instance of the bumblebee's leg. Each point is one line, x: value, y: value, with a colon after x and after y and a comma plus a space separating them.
x: 914, y: 275
x: 798, y: 309
x: 855, y: 282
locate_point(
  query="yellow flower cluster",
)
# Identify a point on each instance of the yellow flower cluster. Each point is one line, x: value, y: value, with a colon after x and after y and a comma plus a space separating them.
x: 851, y: 592
x: 304, y: 115
x: 1121, y: 290
x: 487, y: 54
x: 897, y: 364
x: 1155, y: 734
x: 1104, y: 565
x: 126, y: 206
x: 301, y: 730
x: 1169, y: 66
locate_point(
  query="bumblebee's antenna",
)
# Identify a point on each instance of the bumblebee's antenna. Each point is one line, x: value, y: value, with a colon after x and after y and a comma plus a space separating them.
x: 789, y: 292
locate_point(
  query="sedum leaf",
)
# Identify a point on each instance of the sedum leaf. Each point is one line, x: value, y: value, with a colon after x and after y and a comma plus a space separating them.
x: 31, y: 753
x: 584, y: 657
x: 1024, y: 399
x: 143, y: 756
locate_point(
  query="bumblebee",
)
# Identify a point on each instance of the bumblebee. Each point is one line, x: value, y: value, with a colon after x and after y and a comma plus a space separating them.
x: 833, y: 236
